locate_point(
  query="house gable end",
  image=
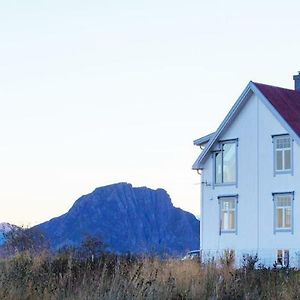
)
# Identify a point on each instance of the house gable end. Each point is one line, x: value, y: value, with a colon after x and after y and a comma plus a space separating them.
x: 250, y: 89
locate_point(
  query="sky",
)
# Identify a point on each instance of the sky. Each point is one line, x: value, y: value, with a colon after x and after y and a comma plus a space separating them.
x: 99, y: 92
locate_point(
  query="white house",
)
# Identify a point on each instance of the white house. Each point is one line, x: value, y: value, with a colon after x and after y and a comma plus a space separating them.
x: 250, y: 178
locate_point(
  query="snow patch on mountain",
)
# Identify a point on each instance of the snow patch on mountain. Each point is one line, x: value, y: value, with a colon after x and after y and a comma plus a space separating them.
x: 4, y: 229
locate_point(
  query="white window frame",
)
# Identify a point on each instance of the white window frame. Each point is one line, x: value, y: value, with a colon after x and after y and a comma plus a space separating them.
x: 282, y: 257
x: 235, y: 209
x: 275, y: 150
x: 276, y: 207
x: 221, y: 145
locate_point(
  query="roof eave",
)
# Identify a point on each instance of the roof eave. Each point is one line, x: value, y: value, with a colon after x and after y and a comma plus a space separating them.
x: 203, y: 140
x: 199, y: 163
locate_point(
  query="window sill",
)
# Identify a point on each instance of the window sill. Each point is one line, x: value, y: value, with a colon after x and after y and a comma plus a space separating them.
x: 228, y: 231
x: 225, y: 184
x: 277, y: 230
x: 283, y: 172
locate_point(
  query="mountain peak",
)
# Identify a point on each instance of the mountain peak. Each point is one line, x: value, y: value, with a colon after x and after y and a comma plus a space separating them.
x: 115, y: 185
x: 6, y: 227
x: 128, y: 219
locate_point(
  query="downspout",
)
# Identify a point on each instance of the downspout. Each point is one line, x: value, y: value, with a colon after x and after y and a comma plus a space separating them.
x: 258, y: 174
x: 201, y: 211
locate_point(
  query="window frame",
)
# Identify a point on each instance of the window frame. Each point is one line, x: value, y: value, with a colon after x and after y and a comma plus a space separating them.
x: 285, y: 257
x: 275, y: 138
x: 220, y: 199
x: 275, y: 221
x: 220, y: 150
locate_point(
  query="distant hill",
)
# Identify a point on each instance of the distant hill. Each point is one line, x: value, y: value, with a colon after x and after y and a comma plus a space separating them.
x: 127, y: 219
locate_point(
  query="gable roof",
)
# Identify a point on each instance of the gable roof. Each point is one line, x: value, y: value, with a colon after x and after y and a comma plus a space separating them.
x: 283, y: 103
x: 286, y: 102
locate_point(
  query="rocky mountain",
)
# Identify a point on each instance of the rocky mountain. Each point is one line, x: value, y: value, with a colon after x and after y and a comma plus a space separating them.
x: 4, y: 229
x: 127, y: 219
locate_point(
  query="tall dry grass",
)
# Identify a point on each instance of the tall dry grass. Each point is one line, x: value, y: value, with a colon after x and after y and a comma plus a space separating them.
x: 66, y: 276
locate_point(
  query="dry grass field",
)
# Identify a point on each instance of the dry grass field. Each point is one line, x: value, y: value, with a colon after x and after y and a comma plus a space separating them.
x: 68, y: 276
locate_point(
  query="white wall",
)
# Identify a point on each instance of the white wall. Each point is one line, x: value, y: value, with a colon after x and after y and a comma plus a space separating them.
x: 254, y: 127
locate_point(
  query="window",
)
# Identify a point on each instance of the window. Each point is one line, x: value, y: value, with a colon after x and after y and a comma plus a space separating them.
x: 225, y: 163
x: 282, y: 154
x: 283, y: 258
x: 228, y: 213
x: 283, y: 211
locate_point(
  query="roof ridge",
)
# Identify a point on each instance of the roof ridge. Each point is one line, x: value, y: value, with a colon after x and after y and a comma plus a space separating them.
x: 275, y: 86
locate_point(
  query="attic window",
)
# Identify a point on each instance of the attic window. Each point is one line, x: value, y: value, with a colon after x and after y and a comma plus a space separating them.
x: 225, y: 163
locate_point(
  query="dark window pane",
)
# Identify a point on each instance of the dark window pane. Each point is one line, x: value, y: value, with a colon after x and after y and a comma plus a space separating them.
x: 286, y: 258
x: 279, y: 160
x: 287, y: 159
x: 279, y: 257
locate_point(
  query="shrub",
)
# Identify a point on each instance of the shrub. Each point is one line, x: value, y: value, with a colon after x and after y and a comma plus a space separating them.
x: 65, y: 275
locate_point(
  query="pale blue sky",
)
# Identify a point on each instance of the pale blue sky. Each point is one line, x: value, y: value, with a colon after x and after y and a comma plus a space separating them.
x: 97, y: 92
